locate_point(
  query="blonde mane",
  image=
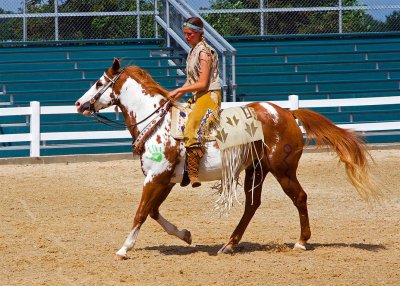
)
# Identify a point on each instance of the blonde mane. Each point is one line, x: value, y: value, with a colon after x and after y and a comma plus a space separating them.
x: 144, y: 78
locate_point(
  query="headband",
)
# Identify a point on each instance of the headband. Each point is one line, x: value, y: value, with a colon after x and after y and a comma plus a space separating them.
x: 194, y: 27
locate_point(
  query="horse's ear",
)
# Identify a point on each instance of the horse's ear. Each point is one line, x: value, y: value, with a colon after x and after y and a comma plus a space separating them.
x: 116, y: 65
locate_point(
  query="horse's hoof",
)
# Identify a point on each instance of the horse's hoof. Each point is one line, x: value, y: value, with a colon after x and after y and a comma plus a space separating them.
x: 299, y: 246
x: 226, y: 249
x: 187, y: 237
x: 120, y: 257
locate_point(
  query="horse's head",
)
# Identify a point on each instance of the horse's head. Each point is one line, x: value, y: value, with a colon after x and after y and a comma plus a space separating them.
x: 101, y: 94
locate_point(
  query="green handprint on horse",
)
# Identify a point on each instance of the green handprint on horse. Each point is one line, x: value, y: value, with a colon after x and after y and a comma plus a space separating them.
x: 156, y: 153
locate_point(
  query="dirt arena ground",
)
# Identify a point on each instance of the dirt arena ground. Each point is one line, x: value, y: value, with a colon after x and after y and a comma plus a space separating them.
x: 62, y: 223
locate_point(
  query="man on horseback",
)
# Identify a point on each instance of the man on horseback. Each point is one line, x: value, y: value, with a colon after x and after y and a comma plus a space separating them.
x: 203, y: 81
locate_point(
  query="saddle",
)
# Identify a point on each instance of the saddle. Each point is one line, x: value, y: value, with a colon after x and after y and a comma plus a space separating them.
x: 236, y: 126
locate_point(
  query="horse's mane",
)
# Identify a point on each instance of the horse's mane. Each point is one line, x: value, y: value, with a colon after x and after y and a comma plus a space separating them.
x: 145, y: 79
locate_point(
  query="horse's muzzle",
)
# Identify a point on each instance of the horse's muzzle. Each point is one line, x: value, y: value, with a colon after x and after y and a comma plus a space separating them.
x: 83, y: 108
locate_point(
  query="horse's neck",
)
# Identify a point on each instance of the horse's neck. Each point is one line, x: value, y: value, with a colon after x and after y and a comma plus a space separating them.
x: 138, y: 104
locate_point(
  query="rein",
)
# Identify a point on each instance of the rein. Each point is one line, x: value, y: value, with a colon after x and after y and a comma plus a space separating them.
x: 138, y: 143
x: 107, y: 121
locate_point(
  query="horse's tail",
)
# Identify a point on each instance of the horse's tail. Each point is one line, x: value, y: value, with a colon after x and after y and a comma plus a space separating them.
x: 348, y: 146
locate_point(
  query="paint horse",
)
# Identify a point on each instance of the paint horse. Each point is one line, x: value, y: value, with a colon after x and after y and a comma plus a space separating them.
x: 140, y: 99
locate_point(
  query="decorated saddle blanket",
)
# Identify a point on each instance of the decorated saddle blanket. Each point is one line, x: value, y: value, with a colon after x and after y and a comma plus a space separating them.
x: 236, y: 126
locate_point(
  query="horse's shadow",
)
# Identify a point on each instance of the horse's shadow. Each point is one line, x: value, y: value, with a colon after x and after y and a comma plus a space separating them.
x: 248, y: 247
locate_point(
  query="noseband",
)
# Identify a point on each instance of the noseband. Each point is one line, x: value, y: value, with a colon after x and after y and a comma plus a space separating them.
x: 96, y: 97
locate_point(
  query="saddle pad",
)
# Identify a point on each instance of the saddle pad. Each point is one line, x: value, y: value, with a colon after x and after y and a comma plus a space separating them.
x: 237, y: 126
x: 178, y: 121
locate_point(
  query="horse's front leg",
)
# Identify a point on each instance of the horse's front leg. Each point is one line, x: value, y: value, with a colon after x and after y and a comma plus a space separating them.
x: 171, y: 229
x: 152, y: 194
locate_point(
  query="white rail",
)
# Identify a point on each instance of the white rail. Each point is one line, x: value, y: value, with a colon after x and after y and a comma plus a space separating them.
x: 35, y: 137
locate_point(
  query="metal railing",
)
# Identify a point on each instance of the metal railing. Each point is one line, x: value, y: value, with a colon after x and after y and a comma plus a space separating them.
x: 173, y: 28
x: 27, y: 20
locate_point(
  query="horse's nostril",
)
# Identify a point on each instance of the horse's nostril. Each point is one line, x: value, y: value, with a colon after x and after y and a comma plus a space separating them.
x: 77, y: 104
x: 83, y: 107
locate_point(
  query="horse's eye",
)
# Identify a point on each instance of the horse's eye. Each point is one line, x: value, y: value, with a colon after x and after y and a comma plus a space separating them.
x: 98, y: 84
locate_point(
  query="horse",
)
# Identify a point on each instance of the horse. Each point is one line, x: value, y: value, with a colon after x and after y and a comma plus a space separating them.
x: 162, y: 157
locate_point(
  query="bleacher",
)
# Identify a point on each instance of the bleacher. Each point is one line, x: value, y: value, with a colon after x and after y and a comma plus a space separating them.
x: 268, y: 69
x: 58, y: 73
x: 323, y: 67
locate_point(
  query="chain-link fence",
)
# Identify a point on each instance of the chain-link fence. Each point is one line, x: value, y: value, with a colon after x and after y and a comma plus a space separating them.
x: 277, y: 17
x: 40, y: 20
x: 36, y: 20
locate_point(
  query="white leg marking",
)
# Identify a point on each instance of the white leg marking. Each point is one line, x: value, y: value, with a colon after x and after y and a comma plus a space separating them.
x: 299, y: 246
x: 129, y: 242
x: 170, y: 228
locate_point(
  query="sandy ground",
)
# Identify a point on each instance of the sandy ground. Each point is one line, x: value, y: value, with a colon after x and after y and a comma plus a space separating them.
x: 62, y: 223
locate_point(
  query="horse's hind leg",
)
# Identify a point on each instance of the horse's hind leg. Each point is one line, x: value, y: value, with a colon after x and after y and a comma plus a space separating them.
x: 295, y: 192
x: 254, y: 177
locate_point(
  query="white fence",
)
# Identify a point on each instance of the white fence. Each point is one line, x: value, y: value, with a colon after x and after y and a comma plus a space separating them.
x: 35, y: 137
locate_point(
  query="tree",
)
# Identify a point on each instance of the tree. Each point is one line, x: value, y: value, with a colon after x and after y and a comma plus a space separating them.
x: 10, y: 29
x: 393, y: 22
x: 79, y: 27
x: 234, y: 23
x: 299, y: 22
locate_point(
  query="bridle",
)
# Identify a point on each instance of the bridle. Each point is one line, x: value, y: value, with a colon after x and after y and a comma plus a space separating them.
x: 105, y: 120
x: 111, y: 84
x: 137, y: 143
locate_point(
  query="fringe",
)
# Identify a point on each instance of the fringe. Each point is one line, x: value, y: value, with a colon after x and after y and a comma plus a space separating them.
x: 211, y: 122
x: 234, y: 161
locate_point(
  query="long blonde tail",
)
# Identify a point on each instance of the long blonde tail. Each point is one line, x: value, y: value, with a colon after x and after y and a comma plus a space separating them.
x: 347, y: 145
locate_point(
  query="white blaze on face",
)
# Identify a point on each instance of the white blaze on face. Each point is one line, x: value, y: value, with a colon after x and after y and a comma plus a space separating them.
x: 104, y: 99
x: 272, y: 111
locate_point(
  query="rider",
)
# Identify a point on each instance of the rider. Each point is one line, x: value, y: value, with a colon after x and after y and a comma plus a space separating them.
x: 203, y: 81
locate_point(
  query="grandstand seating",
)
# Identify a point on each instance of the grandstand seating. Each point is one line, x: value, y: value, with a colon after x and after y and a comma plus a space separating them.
x: 316, y: 66
x: 45, y: 70
x: 267, y: 68
x: 58, y: 73
x: 322, y: 67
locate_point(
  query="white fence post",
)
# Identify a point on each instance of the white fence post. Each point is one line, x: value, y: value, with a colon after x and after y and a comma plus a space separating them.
x: 35, y: 129
x: 294, y: 102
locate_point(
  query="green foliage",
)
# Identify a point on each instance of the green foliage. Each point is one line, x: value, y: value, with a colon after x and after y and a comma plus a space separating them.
x: 310, y: 22
x: 80, y: 27
x: 393, y: 21
x: 109, y: 27
x: 228, y: 24
x: 10, y: 29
